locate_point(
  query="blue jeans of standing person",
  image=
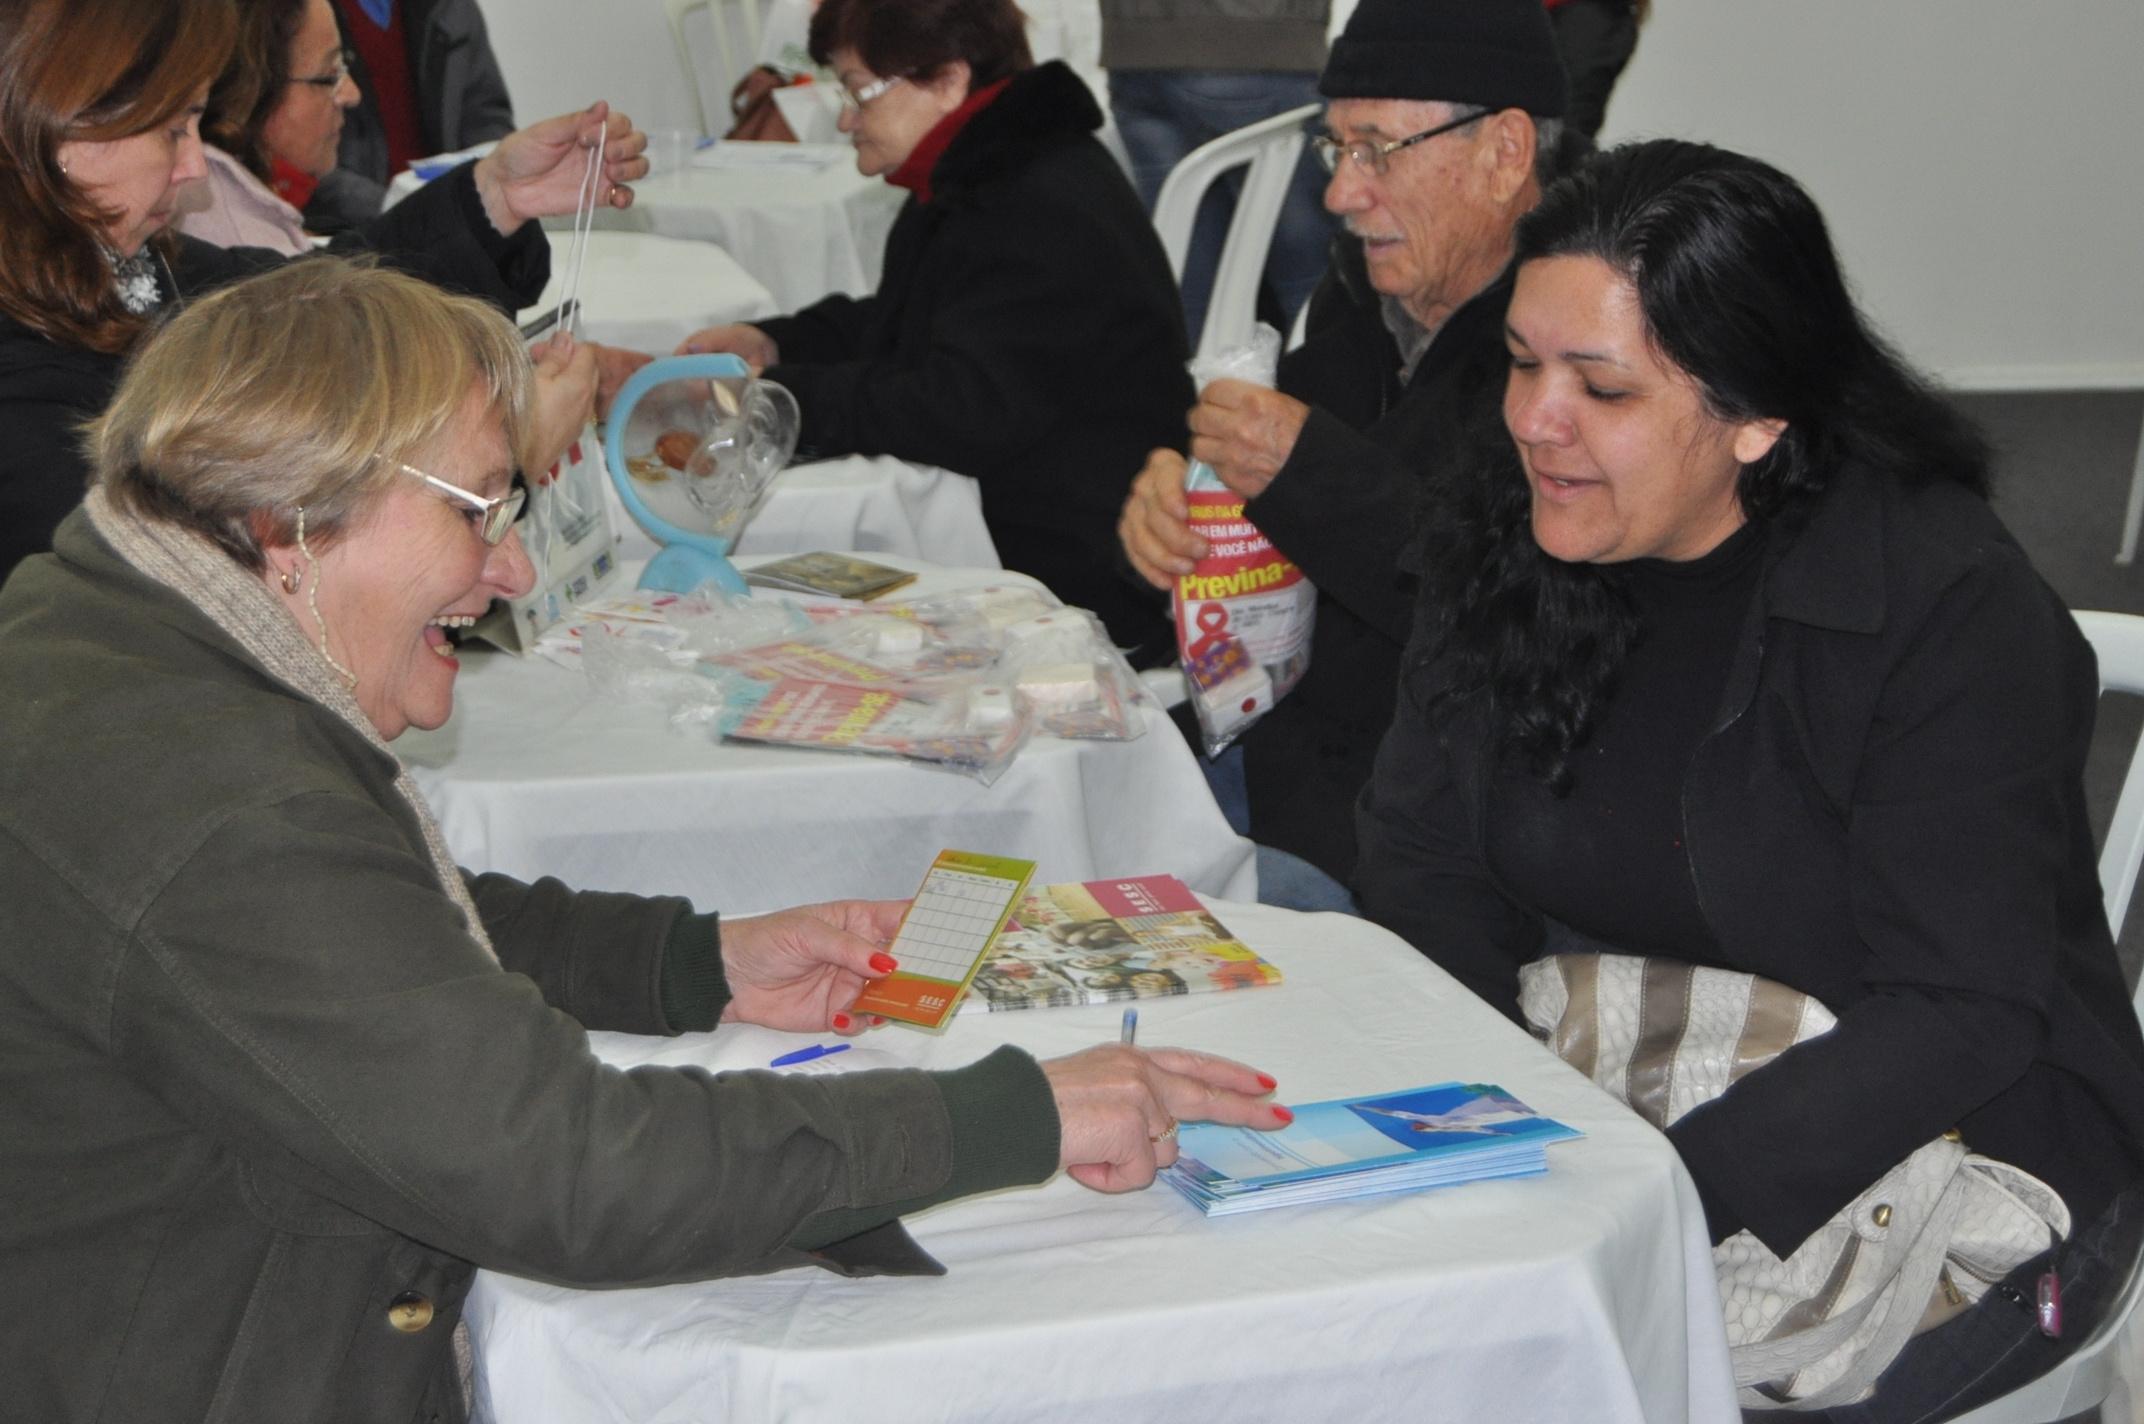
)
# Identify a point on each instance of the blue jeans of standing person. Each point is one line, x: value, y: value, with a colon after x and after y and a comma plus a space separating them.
x: 1162, y: 114
x: 1285, y: 880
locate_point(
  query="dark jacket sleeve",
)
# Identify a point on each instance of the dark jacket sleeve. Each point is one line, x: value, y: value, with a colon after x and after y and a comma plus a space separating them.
x: 828, y: 331
x: 1956, y: 845
x: 441, y: 233
x: 1419, y: 871
x: 304, y: 990
x: 1343, y: 507
x: 999, y: 362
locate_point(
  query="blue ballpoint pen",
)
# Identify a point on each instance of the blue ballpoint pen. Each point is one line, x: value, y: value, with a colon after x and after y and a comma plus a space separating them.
x: 1130, y: 1032
x: 806, y: 1055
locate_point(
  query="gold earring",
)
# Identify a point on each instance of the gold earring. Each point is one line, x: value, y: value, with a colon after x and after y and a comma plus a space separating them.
x: 292, y: 577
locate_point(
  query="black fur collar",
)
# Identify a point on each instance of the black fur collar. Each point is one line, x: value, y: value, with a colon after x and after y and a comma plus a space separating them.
x: 1040, y: 108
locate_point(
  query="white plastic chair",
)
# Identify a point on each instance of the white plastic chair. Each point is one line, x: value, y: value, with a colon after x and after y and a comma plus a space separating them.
x: 1270, y: 148
x: 2133, y: 517
x: 2087, y: 1378
x: 736, y: 27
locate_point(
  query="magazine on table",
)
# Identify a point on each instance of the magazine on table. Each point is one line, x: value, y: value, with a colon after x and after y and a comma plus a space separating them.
x: 1359, y: 1147
x: 1144, y: 937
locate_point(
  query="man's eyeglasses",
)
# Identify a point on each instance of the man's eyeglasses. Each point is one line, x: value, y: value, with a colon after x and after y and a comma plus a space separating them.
x: 854, y: 99
x: 492, y: 518
x: 330, y: 81
x: 1377, y: 157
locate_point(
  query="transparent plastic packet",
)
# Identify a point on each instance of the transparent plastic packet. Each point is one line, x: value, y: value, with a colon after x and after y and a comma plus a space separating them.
x: 627, y: 668
x: 964, y: 724
x: 1072, y: 679
x: 1245, y: 614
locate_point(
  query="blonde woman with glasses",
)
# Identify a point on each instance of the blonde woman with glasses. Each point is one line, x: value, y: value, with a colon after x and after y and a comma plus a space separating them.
x: 279, y: 1077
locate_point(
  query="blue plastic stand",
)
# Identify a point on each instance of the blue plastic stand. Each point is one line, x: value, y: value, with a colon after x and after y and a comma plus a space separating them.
x: 687, y: 559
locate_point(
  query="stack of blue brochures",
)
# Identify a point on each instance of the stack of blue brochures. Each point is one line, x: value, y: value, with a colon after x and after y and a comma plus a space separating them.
x: 1360, y: 1147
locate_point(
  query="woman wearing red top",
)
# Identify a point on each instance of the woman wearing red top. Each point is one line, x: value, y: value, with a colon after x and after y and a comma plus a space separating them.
x: 1026, y: 330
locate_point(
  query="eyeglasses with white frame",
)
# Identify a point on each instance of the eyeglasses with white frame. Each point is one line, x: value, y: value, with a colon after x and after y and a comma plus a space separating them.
x: 854, y: 99
x: 1377, y: 157
x: 492, y: 518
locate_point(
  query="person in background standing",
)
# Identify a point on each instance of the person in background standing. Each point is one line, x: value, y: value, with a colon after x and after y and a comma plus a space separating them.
x: 1185, y: 72
x: 428, y: 83
x: 1595, y: 38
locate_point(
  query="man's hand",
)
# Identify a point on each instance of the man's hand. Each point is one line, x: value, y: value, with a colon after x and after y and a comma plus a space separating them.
x: 738, y: 339
x: 539, y: 171
x: 801, y: 969
x: 1246, y: 432
x: 614, y: 366
x: 1155, y: 525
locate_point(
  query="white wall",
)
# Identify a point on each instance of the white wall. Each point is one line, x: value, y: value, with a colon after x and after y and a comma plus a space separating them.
x: 1981, y: 161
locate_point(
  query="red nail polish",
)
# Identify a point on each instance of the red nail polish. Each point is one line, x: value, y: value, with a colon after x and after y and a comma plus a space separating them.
x: 1283, y: 1114
x: 883, y: 962
x: 878, y: 1020
x: 1267, y: 1081
x: 842, y: 1022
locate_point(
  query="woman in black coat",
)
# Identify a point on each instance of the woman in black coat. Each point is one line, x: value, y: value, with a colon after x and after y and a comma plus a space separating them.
x: 1734, y: 666
x: 101, y: 102
x: 1026, y: 330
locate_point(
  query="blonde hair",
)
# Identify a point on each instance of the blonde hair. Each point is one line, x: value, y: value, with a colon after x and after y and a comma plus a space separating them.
x: 300, y: 388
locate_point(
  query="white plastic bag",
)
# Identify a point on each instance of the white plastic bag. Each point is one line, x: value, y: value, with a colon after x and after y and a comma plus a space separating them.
x: 1244, y: 615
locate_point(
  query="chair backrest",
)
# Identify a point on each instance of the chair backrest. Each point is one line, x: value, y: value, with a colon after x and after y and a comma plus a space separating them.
x: 736, y: 28
x: 2118, y: 641
x: 2088, y: 1377
x: 1270, y: 148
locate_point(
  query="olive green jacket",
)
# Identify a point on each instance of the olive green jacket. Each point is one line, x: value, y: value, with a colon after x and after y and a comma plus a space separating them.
x: 265, y: 1105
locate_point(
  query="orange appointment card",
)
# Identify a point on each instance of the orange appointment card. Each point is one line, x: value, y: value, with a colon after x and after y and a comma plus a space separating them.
x: 949, y: 927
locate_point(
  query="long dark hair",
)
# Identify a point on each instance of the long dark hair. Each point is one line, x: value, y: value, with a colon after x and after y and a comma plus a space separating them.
x: 252, y: 86
x: 1740, y: 288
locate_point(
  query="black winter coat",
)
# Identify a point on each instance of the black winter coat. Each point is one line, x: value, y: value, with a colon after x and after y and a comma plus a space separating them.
x: 48, y: 391
x: 1344, y: 507
x: 1027, y: 331
x: 1889, y: 816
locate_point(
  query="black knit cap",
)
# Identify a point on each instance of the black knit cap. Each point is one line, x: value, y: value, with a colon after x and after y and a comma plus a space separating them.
x: 1500, y: 53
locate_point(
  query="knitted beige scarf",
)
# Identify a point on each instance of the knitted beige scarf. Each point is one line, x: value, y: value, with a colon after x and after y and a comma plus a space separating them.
x: 241, y: 605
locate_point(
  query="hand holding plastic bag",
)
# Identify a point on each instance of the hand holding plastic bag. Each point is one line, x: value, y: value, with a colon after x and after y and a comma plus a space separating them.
x: 1245, y: 613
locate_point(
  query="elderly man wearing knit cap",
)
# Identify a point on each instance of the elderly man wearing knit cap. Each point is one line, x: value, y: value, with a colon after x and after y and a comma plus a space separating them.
x: 1442, y: 120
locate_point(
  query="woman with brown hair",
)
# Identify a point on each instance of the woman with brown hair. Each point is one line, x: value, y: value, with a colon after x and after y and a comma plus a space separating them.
x: 100, y: 106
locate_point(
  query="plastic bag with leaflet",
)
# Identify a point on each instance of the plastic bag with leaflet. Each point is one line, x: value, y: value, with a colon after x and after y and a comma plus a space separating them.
x: 1244, y: 614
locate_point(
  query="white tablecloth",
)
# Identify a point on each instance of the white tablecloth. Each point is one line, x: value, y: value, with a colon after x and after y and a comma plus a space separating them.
x: 1585, y: 1295
x: 863, y: 504
x: 648, y: 293
x: 803, y: 233
x: 536, y: 774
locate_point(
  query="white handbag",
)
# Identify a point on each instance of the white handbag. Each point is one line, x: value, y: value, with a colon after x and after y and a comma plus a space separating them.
x: 1922, y: 1244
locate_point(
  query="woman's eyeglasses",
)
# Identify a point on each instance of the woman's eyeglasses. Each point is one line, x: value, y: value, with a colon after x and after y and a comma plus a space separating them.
x: 493, y: 518
x: 330, y: 81
x: 854, y: 99
x: 1377, y: 157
